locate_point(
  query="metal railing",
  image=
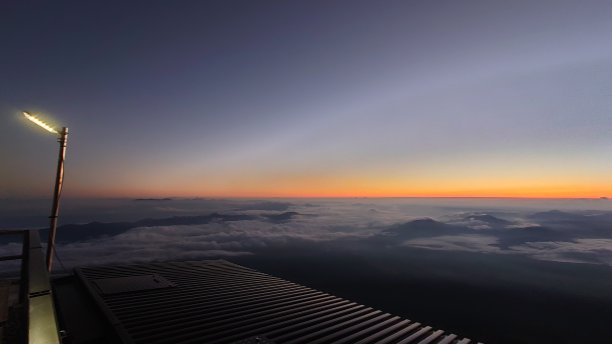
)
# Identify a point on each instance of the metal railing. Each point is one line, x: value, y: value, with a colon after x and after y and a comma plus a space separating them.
x: 35, y: 290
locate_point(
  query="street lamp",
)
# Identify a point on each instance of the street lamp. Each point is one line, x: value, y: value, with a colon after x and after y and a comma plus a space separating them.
x: 59, y: 179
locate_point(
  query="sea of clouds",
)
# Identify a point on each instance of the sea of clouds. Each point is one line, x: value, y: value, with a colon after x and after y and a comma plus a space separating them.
x: 579, y: 233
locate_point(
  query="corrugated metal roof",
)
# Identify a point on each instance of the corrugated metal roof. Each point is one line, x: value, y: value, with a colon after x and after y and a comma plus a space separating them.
x: 220, y: 302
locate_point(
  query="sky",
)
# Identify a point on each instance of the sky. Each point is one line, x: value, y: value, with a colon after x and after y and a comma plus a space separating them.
x: 308, y: 98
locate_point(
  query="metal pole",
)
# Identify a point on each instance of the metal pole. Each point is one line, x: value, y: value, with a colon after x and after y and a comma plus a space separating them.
x: 59, y: 179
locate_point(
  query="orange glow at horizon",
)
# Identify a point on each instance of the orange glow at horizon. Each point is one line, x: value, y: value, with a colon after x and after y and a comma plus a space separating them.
x: 356, y: 187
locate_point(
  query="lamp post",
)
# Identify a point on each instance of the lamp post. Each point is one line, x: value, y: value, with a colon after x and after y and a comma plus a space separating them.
x: 59, y: 179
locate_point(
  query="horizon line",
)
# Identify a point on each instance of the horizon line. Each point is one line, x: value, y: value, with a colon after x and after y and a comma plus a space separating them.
x: 311, y: 197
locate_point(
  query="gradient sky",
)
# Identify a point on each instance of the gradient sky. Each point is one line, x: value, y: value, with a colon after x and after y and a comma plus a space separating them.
x: 309, y: 98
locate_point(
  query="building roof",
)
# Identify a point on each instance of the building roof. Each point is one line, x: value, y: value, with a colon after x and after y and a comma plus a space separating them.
x: 220, y: 302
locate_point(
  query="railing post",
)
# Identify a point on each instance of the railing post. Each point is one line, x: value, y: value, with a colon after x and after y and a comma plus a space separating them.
x: 42, y: 320
x: 25, y: 250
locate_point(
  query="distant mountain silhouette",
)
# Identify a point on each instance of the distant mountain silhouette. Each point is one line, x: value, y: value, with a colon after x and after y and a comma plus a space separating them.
x: 556, y: 215
x: 282, y: 217
x: 266, y: 205
x: 582, y: 224
x: 81, y: 232
x: 423, y: 228
x: 427, y: 228
x: 518, y: 236
x: 488, y: 219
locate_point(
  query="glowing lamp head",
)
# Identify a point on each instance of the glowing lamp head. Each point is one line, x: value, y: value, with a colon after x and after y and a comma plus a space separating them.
x: 40, y: 123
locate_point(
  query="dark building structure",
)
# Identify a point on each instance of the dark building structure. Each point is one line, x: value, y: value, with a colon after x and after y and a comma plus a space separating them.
x: 212, y: 301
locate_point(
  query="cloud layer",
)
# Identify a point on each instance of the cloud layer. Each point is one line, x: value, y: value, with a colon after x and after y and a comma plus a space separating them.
x: 251, y: 227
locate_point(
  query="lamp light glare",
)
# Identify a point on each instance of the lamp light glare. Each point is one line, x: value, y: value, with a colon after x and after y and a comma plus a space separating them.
x: 40, y: 123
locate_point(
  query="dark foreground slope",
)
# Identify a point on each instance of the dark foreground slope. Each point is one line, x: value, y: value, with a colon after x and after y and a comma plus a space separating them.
x: 494, y: 299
